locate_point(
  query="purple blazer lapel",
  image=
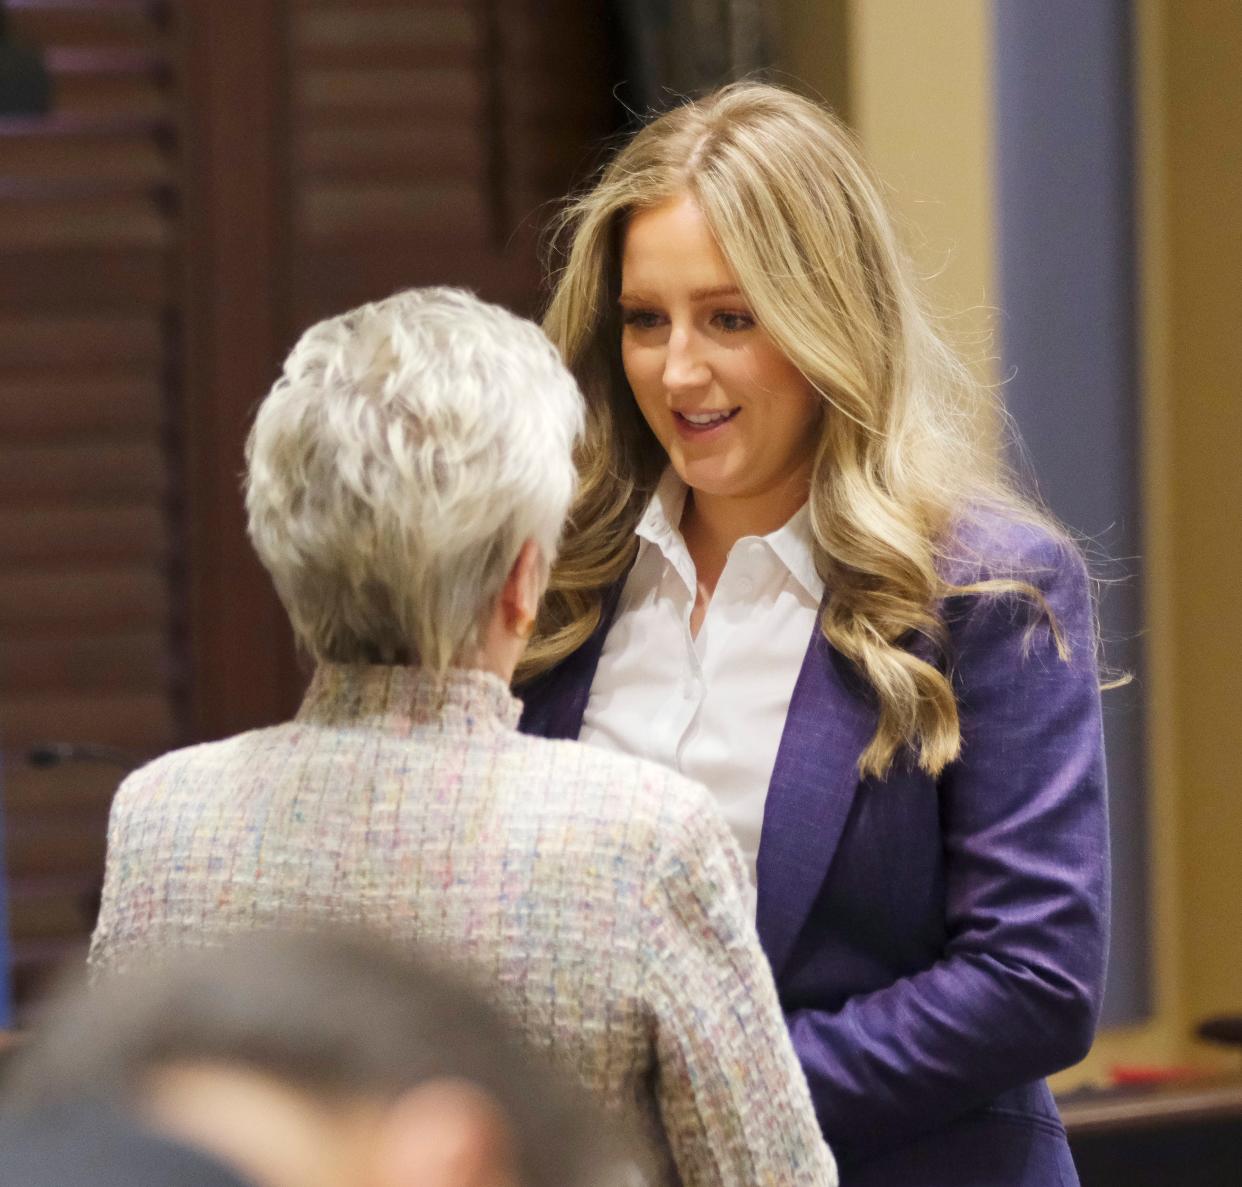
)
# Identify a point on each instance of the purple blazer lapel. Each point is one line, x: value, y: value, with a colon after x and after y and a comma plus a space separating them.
x: 554, y: 702
x: 830, y: 721
x: 813, y: 781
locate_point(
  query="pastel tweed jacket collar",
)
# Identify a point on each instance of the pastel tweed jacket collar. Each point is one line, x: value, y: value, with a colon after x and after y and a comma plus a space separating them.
x: 397, y: 700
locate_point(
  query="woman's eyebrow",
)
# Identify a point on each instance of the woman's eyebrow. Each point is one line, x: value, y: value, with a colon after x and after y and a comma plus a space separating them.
x: 720, y: 290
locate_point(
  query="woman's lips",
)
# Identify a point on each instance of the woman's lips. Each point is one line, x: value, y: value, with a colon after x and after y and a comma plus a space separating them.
x: 698, y: 426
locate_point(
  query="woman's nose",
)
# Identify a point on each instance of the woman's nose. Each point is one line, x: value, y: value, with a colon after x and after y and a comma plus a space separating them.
x: 684, y: 365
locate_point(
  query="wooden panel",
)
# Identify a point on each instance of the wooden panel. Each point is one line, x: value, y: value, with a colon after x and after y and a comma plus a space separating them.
x: 434, y: 94
x: 55, y: 906
x: 52, y: 222
x: 430, y: 140
x: 90, y: 310
x: 116, y: 25
x: 38, y: 406
x: 237, y: 331
x: 102, y: 600
x: 302, y: 8
x: 77, y: 787
x: 135, y: 721
x: 59, y: 537
x: 226, y: 173
x: 135, y: 159
x: 408, y: 153
x: 457, y: 213
x: 76, y: 279
x: 80, y: 126
x: 355, y: 28
x: 383, y: 150
x: 37, y: 964
x: 117, y: 343
x: 110, y: 92
x: 410, y: 36
x: 339, y: 276
x: 66, y: 848
x: 55, y: 859
x: 122, y: 61
x: 123, y: 472
x: 115, y: 663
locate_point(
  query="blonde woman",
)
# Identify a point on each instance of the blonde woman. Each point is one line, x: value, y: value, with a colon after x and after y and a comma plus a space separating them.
x: 794, y: 576
x: 408, y: 478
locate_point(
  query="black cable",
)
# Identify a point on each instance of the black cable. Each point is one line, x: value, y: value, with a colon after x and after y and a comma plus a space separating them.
x: 53, y: 754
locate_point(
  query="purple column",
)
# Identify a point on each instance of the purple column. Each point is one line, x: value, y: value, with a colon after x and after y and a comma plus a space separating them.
x: 1065, y: 189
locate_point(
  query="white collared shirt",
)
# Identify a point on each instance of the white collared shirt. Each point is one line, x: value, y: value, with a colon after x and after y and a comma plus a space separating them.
x: 713, y: 707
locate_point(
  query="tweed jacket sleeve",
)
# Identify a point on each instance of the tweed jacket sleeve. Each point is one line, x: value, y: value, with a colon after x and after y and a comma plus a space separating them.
x: 732, y: 1097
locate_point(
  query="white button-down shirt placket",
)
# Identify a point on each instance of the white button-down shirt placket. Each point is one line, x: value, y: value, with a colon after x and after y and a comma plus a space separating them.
x: 726, y: 692
x: 680, y: 578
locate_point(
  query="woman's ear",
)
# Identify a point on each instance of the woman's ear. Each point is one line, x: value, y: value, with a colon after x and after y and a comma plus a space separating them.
x: 522, y: 590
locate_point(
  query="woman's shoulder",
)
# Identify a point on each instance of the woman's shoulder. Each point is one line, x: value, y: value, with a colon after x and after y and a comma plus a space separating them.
x: 175, y: 769
x: 990, y: 543
x: 189, y: 779
x: 1018, y: 575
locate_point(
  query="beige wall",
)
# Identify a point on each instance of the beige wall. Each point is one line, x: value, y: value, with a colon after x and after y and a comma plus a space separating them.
x: 815, y: 50
x: 920, y: 97
x: 915, y: 82
x: 913, y: 77
x: 1197, y: 194
x: 1189, y: 96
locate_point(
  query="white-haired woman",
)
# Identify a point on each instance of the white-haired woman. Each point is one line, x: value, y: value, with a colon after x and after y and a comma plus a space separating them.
x: 794, y: 576
x: 408, y: 476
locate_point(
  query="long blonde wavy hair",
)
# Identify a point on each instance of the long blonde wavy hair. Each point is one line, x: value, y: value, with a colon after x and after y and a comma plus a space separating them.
x: 801, y: 222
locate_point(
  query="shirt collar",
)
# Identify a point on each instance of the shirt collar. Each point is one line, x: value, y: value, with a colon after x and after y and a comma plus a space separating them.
x: 793, y: 544
x: 660, y: 527
x: 661, y: 521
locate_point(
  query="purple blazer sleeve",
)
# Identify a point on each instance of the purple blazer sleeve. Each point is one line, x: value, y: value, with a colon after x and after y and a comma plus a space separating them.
x: 1016, y: 991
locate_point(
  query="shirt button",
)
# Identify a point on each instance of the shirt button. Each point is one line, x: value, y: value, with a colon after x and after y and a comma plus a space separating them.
x: 746, y: 586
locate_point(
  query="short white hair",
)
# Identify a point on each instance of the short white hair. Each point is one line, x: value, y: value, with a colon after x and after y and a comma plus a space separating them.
x: 396, y: 468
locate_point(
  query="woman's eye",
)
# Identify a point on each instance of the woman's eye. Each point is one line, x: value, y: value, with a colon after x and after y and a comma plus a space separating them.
x: 640, y: 319
x: 731, y: 323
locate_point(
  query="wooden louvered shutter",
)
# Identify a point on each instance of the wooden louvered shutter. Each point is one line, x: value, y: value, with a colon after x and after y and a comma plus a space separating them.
x: 430, y: 140
x: 215, y: 177
x: 88, y: 333
x: 338, y: 150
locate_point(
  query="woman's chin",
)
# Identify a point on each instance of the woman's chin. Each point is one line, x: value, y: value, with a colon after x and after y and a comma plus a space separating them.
x: 709, y: 477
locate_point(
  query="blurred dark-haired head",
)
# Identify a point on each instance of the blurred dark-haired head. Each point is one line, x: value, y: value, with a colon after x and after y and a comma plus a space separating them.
x: 282, y: 1052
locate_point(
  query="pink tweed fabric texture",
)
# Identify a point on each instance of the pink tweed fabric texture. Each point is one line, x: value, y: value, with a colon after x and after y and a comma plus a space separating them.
x: 597, y: 897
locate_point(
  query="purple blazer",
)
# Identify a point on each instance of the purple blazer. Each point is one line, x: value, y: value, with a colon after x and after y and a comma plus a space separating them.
x: 938, y: 944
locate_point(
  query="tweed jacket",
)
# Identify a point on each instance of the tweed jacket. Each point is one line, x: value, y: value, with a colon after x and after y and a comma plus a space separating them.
x: 598, y: 898
x: 939, y: 944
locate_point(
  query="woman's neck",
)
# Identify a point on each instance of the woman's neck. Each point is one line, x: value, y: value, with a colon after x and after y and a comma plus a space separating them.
x: 711, y: 524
